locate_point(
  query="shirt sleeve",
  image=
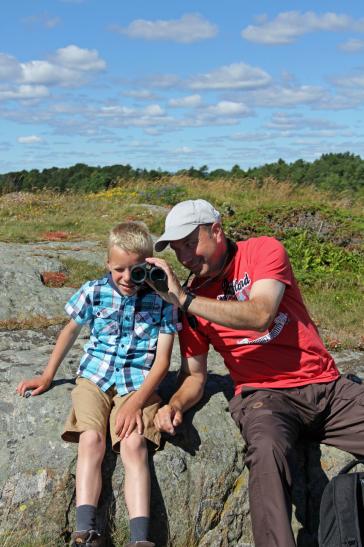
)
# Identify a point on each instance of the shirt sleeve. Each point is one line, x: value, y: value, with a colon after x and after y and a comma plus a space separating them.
x: 271, y: 261
x: 191, y: 338
x: 79, y: 306
x: 170, y: 320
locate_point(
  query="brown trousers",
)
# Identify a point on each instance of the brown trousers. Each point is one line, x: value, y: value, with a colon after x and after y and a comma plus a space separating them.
x: 271, y: 422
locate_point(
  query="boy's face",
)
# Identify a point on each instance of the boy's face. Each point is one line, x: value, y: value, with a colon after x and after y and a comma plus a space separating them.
x: 119, y: 264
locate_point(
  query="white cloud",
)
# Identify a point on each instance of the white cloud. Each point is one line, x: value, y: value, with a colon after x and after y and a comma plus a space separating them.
x: 124, y: 116
x: 24, y: 92
x: 221, y: 113
x: 355, y: 81
x: 352, y: 46
x: 287, y: 122
x: 183, y: 150
x: 10, y: 69
x: 287, y: 96
x: 252, y: 136
x: 76, y: 58
x: 31, y: 139
x: 189, y: 28
x: 234, y: 76
x: 288, y: 26
x: 191, y: 101
x: 228, y: 108
x: 140, y: 94
x: 46, y: 73
x: 69, y: 66
x: 154, y: 110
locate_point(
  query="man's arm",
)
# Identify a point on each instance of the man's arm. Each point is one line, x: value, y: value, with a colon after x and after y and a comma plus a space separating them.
x: 130, y: 416
x: 192, y: 381
x: 257, y: 313
x: 65, y: 341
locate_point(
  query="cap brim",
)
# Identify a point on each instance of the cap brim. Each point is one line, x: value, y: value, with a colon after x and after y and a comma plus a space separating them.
x: 173, y: 235
x: 160, y: 246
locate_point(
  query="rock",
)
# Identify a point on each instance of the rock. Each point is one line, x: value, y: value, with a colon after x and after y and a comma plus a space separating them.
x: 21, y: 268
x: 199, y: 482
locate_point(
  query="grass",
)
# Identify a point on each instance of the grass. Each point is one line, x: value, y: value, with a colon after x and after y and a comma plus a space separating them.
x: 322, y: 232
x: 79, y: 271
x: 33, y: 323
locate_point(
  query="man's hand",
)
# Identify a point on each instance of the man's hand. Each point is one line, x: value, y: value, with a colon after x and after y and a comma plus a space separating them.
x: 38, y: 384
x: 167, y: 419
x: 129, y: 417
x: 175, y: 294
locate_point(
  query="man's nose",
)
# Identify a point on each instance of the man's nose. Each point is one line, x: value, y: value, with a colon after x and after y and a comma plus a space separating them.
x: 184, y: 255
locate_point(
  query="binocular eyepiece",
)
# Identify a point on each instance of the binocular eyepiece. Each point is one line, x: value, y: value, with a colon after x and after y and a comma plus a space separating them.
x: 140, y: 273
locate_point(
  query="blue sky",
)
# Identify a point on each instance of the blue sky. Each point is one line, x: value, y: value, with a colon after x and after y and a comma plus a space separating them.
x: 174, y: 84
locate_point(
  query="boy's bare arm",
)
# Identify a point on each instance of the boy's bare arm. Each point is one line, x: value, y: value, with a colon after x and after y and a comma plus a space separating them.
x: 130, y: 414
x: 65, y: 341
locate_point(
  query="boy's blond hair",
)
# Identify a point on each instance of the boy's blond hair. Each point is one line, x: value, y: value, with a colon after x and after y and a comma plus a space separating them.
x: 132, y: 237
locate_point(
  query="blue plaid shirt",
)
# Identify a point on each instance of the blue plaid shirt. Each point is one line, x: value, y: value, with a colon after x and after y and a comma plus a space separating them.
x: 124, y: 333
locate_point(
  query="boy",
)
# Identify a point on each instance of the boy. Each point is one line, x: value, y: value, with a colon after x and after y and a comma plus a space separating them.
x: 131, y: 330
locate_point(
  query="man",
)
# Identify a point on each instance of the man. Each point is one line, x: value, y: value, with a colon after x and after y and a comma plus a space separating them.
x: 245, y: 302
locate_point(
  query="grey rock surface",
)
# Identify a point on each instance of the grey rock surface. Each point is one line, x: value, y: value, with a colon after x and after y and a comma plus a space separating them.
x: 199, y: 482
x: 23, y: 293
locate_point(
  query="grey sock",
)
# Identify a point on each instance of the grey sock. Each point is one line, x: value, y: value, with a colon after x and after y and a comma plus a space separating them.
x: 139, y: 529
x: 85, y: 517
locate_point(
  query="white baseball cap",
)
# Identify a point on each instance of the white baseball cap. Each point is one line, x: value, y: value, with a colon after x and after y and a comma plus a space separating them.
x: 183, y: 218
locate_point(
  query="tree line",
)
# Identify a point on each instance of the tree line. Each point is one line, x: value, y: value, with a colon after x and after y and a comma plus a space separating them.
x: 334, y: 172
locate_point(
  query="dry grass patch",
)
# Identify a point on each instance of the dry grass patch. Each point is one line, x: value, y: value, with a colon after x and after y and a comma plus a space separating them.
x: 32, y: 323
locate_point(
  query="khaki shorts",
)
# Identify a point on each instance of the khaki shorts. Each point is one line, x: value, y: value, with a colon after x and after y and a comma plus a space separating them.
x: 94, y: 409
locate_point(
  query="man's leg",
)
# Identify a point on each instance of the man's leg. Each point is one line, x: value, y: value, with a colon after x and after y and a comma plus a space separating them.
x: 344, y: 423
x: 270, y: 426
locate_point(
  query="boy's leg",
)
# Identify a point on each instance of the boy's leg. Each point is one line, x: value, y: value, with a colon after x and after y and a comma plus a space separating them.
x: 87, y: 425
x: 134, y: 454
x: 91, y: 451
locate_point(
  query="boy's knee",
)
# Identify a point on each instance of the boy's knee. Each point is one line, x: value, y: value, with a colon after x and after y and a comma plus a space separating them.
x: 92, y: 441
x: 134, y: 448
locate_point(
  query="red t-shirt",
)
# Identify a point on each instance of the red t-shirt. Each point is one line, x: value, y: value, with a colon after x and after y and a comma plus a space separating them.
x: 290, y: 353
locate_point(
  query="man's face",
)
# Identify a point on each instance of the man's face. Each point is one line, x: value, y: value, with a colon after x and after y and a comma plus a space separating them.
x: 119, y: 264
x: 201, y: 252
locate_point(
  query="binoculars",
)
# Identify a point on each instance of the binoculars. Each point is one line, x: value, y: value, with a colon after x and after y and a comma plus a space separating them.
x: 140, y: 273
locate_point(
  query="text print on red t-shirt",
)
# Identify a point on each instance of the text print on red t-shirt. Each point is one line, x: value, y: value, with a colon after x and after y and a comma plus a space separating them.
x: 237, y: 289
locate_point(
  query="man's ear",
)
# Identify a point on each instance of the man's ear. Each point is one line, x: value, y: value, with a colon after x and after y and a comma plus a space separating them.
x: 216, y: 230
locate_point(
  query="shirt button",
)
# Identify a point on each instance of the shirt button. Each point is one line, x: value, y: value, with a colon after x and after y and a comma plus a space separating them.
x: 122, y: 345
x: 127, y: 318
x: 117, y: 369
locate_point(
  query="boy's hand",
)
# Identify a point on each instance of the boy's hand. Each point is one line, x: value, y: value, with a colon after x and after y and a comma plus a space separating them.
x: 38, y: 384
x: 128, y: 418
